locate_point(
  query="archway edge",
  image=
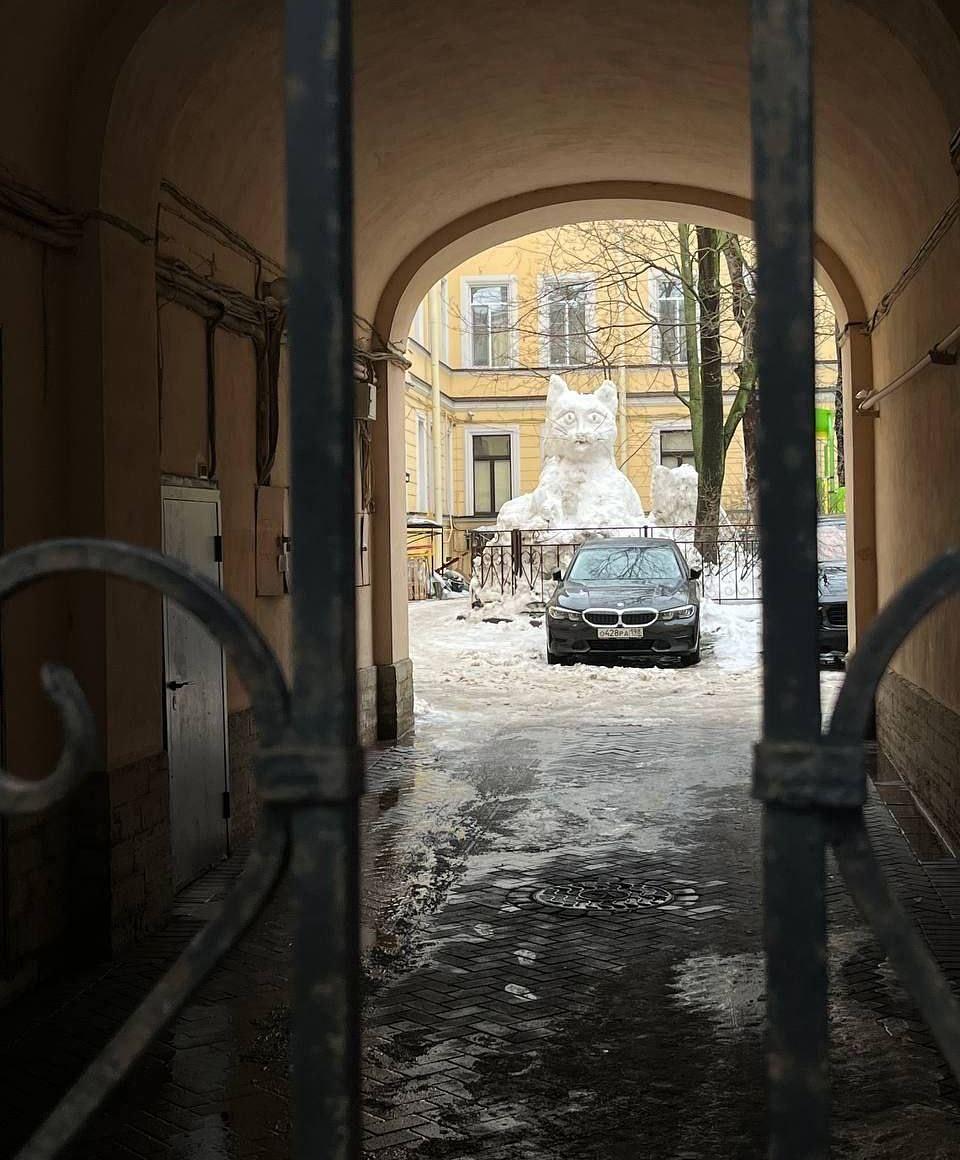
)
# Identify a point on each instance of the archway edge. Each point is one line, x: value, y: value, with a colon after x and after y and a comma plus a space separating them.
x: 540, y: 209
x: 545, y: 208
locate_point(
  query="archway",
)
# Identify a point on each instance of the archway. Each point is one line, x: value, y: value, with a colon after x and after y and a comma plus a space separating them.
x: 540, y: 209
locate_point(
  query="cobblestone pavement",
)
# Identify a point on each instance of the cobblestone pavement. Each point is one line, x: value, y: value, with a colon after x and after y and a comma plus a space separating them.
x: 562, y: 935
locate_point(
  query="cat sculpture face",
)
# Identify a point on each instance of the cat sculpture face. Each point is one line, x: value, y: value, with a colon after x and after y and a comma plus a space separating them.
x: 580, y: 426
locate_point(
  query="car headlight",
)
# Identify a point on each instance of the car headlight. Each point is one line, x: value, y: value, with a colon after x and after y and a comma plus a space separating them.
x: 557, y: 613
x: 683, y: 613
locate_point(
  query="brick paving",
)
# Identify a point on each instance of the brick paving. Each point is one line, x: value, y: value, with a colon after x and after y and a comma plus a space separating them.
x: 501, y: 1021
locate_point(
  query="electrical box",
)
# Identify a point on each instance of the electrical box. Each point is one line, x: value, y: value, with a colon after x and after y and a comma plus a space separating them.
x: 365, y: 400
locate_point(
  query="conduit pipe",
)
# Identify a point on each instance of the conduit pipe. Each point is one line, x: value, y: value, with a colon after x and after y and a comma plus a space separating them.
x: 939, y: 355
x: 433, y: 303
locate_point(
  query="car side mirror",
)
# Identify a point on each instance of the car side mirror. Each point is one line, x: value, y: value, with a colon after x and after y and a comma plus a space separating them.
x: 557, y: 575
x: 696, y: 573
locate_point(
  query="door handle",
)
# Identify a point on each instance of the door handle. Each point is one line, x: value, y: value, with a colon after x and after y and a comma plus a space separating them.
x: 174, y: 685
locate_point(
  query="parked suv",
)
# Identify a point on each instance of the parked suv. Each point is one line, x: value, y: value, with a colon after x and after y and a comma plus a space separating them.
x: 832, y: 587
x: 625, y: 597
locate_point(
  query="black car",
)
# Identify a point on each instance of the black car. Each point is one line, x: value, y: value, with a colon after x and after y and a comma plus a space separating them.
x: 625, y: 597
x: 832, y: 587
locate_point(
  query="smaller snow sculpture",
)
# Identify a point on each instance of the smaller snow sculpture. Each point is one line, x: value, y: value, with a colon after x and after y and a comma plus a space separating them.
x: 580, y: 484
x: 673, y: 495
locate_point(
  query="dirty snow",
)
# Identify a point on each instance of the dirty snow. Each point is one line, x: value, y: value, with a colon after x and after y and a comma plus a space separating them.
x: 469, y: 661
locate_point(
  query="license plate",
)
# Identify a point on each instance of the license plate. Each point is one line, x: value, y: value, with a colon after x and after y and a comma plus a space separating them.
x: 619, y: 633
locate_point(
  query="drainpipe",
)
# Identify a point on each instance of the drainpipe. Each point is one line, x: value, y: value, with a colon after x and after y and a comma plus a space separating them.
x: 434, y: 304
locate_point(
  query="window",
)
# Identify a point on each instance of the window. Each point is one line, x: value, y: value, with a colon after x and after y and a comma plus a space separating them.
x: 488, y: 319
x: 564, y: 318
x: 676, y: 448
x: 424, y: 464
x: 492, y: 473
x: 669, y: 335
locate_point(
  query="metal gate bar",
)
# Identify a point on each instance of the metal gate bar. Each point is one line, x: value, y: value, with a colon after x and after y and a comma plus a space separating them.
x: 793, y: 839
x: 323, y: 766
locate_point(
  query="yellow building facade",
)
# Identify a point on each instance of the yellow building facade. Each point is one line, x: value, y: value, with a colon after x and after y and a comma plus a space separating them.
x: 591, y: 302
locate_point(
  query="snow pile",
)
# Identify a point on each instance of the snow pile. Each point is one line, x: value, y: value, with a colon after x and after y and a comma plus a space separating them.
x: 734, y: 630
x: 469, y: 665
x: 674, y: 495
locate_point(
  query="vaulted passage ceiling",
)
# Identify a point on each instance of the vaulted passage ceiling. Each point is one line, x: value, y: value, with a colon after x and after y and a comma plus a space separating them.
x: 458, y: 106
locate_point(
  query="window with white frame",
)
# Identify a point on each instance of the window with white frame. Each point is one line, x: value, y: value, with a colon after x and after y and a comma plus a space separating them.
x: 676, y: 448
x: 669, y: 332
x: 489, y: 324
x: 492, y: 472
x: 565, y: 318
x: 424, y: 463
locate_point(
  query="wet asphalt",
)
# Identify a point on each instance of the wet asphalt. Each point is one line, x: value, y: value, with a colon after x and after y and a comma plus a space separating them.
x: 562, y: 927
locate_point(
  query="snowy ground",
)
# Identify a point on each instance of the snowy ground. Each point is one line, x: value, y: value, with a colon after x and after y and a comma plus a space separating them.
x: 465, y: 666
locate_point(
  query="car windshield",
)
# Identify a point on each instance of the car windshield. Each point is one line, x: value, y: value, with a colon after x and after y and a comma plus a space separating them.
x: 636, y: 562
x: 832, y: 541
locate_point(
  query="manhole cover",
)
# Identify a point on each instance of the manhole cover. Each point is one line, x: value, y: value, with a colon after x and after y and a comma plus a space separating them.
x: 604, y: 894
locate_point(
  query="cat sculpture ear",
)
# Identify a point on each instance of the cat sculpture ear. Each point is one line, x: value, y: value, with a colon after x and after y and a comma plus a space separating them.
x: 556, y: 389
x: 607, y: 396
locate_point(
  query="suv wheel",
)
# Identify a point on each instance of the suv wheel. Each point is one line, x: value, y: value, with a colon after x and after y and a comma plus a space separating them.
x: 688, y: 660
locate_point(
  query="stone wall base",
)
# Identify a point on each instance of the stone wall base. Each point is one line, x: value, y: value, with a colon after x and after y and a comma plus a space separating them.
x: 241, y: 750
x: 920, y: 737
x: 141, y: 874
x: 394, y: 700
x: 367, y: 705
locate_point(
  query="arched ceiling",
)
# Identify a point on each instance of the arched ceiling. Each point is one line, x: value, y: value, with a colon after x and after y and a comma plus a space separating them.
x: 488, y: 102
x: 461, y: 106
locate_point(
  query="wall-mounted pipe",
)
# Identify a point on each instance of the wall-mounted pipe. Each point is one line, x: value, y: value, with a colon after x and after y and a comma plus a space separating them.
x: 433, y: 303
x: 942, y: 354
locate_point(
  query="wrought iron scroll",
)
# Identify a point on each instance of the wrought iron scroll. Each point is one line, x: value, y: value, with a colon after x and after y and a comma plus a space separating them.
x: 260, y: 672
x: 309, y: 772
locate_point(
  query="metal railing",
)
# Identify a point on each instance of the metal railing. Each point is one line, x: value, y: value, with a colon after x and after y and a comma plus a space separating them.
x: 523, y: 561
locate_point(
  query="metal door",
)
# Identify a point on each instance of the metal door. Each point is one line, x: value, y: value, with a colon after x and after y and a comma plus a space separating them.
x: 195, y: 694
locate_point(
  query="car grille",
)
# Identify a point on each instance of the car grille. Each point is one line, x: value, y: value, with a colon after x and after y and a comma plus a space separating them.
x: 601, y: 618
x: 632, y: 617
x: 836, y: 615
x: 635, y: 618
